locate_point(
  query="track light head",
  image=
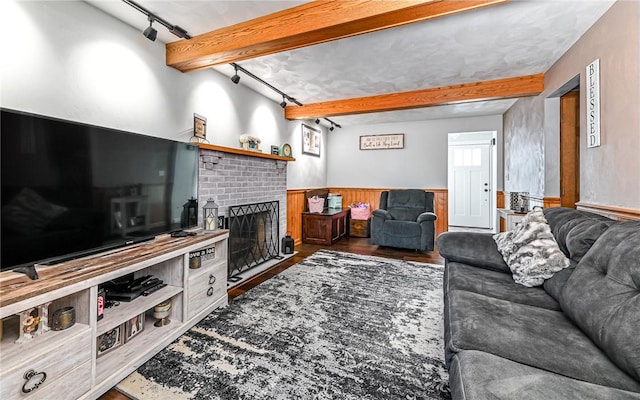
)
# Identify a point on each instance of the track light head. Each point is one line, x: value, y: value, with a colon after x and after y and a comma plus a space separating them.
x: 179, y: 32
x: 235, y: 78
x: 317, y: 121
x: 284, y: 102
x: 150, y: 33
x: 332, y: 127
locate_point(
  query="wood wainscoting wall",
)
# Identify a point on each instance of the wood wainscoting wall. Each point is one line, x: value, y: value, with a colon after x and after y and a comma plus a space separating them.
x: 296, y: 206
x: 617, y: 213
x: 499, y: 199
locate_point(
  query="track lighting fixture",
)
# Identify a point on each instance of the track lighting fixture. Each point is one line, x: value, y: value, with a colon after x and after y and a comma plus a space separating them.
x: 235, y: 78
x: 285, y: 97
x: 150, y: 33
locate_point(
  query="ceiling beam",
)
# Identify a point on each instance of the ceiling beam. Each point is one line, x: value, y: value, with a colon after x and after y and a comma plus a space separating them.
x: 306, y: 25
x: 522, y: 86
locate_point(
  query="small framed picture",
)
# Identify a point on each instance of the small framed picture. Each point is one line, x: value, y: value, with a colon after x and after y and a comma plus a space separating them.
x: 275, y: 150
x: 133, y: 327
x: 199, y: 126
x: 110, y: 340
x: 311, y: 140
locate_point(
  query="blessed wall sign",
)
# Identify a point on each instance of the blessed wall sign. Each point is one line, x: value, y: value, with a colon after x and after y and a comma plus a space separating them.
x: 382, y: 142
x: 593, y: 103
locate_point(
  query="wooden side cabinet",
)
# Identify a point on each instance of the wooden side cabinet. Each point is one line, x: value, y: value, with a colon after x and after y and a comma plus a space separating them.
x: 360, y: 228
x: 326, y: 227
x: 91, y: 356
x: 509, y: 219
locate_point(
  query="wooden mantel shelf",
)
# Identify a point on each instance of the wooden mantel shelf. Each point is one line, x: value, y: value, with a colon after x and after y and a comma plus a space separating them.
x: 243, y: 152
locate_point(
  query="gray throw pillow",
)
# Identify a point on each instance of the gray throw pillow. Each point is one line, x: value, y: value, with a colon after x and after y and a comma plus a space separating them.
x: 530, y: 250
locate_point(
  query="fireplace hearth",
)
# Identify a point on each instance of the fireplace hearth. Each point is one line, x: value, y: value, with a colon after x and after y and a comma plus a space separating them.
x: 253, y: 235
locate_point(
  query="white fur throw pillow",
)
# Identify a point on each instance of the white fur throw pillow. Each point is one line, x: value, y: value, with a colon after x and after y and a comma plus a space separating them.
x: 531, y: 251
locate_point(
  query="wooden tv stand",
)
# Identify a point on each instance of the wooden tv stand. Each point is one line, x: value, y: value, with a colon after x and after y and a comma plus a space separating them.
x: 65, y: 364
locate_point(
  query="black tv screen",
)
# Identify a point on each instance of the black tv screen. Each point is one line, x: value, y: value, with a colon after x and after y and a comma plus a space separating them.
x: 69, y: 188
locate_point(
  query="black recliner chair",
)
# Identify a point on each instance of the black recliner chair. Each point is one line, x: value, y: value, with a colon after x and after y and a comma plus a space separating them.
x: 405, y: 219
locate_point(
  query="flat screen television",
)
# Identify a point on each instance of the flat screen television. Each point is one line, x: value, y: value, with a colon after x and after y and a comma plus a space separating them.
x: 70, y: 189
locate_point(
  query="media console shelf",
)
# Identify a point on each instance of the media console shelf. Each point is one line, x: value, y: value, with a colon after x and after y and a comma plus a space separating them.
x: 66, y: 364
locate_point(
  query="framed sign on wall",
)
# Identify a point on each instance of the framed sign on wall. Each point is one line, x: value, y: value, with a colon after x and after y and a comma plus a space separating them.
x: 382, y: 142
x: 199, y: 126
x: 592, y: 79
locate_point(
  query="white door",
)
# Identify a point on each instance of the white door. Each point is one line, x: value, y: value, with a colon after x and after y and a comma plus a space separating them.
x: 470, y: 185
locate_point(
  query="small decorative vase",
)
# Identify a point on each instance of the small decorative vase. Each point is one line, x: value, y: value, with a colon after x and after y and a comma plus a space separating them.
x: 161, y: 312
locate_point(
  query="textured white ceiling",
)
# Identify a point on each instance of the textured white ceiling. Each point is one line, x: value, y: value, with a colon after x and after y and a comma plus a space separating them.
x: 518, y: 38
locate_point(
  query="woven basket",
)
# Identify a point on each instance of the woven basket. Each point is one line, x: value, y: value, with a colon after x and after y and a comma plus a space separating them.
x: 316, y: 205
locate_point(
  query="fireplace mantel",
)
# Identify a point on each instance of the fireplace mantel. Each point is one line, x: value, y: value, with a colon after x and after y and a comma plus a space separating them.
x: 243, y: 152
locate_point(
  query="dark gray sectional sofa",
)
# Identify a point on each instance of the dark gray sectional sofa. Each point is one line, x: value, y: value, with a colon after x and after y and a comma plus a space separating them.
x: 575, y: 337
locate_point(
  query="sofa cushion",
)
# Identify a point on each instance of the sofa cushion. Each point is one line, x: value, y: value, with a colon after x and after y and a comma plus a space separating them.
x: 531, y: 251
x: 583, y: 234
x: 603, y: 295
x: 534, y: 336
x: 401, y: 229
x: 405, y: 214
x: 563, y: 220
x: 495, y: 284
x: 408, y: 204
x: 475, y: 375
x: 575, y: 232
x: 555, y: 284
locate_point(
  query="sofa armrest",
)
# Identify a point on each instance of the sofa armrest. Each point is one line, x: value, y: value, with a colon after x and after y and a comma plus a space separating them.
x: 473, y: 248
x: 384, y: 214
x: 426, y: 216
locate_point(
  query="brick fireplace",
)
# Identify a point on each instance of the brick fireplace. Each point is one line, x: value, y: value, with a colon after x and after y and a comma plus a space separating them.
x: 239, y: 178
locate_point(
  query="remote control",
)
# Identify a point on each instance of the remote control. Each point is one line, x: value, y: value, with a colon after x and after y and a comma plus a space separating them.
x: 153, y: 289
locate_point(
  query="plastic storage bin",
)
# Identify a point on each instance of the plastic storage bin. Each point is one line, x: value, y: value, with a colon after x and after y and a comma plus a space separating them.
x: 335, y: 201
x: 360, y: 213
x: 316, y: 205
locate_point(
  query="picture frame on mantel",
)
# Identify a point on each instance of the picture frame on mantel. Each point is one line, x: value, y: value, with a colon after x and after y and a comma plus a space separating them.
x: 311, y: 140
x: 200, y: 127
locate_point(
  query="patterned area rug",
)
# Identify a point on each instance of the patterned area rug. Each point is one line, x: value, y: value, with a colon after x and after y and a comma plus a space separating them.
x: 334, y: 326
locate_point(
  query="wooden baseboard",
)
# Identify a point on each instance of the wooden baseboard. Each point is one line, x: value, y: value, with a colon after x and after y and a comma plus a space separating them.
x: 617, y: 213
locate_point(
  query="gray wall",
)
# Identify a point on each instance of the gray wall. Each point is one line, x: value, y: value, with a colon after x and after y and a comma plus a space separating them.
x: 72, y: 61
x: 609, y: 174
x: 421, y: 164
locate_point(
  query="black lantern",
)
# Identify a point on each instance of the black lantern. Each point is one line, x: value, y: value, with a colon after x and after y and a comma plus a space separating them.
x: 287, y: 244
x: 189, y: 213
x: 210, y: 216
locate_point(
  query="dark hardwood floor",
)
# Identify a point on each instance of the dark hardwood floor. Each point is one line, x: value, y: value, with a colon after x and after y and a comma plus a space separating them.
x: 346, y: 244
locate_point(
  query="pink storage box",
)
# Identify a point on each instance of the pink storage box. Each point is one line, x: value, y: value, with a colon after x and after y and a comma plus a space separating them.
x: 316, y: 205
x: 360, y: 213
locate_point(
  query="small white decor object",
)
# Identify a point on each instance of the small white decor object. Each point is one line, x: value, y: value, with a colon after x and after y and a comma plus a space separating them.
x: 31, y: 323
x: 250, y: 143
x: 210, y: 216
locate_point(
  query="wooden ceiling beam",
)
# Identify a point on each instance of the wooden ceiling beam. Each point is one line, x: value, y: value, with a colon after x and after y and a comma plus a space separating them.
x: 306, y: 25
x: 522, y: 86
